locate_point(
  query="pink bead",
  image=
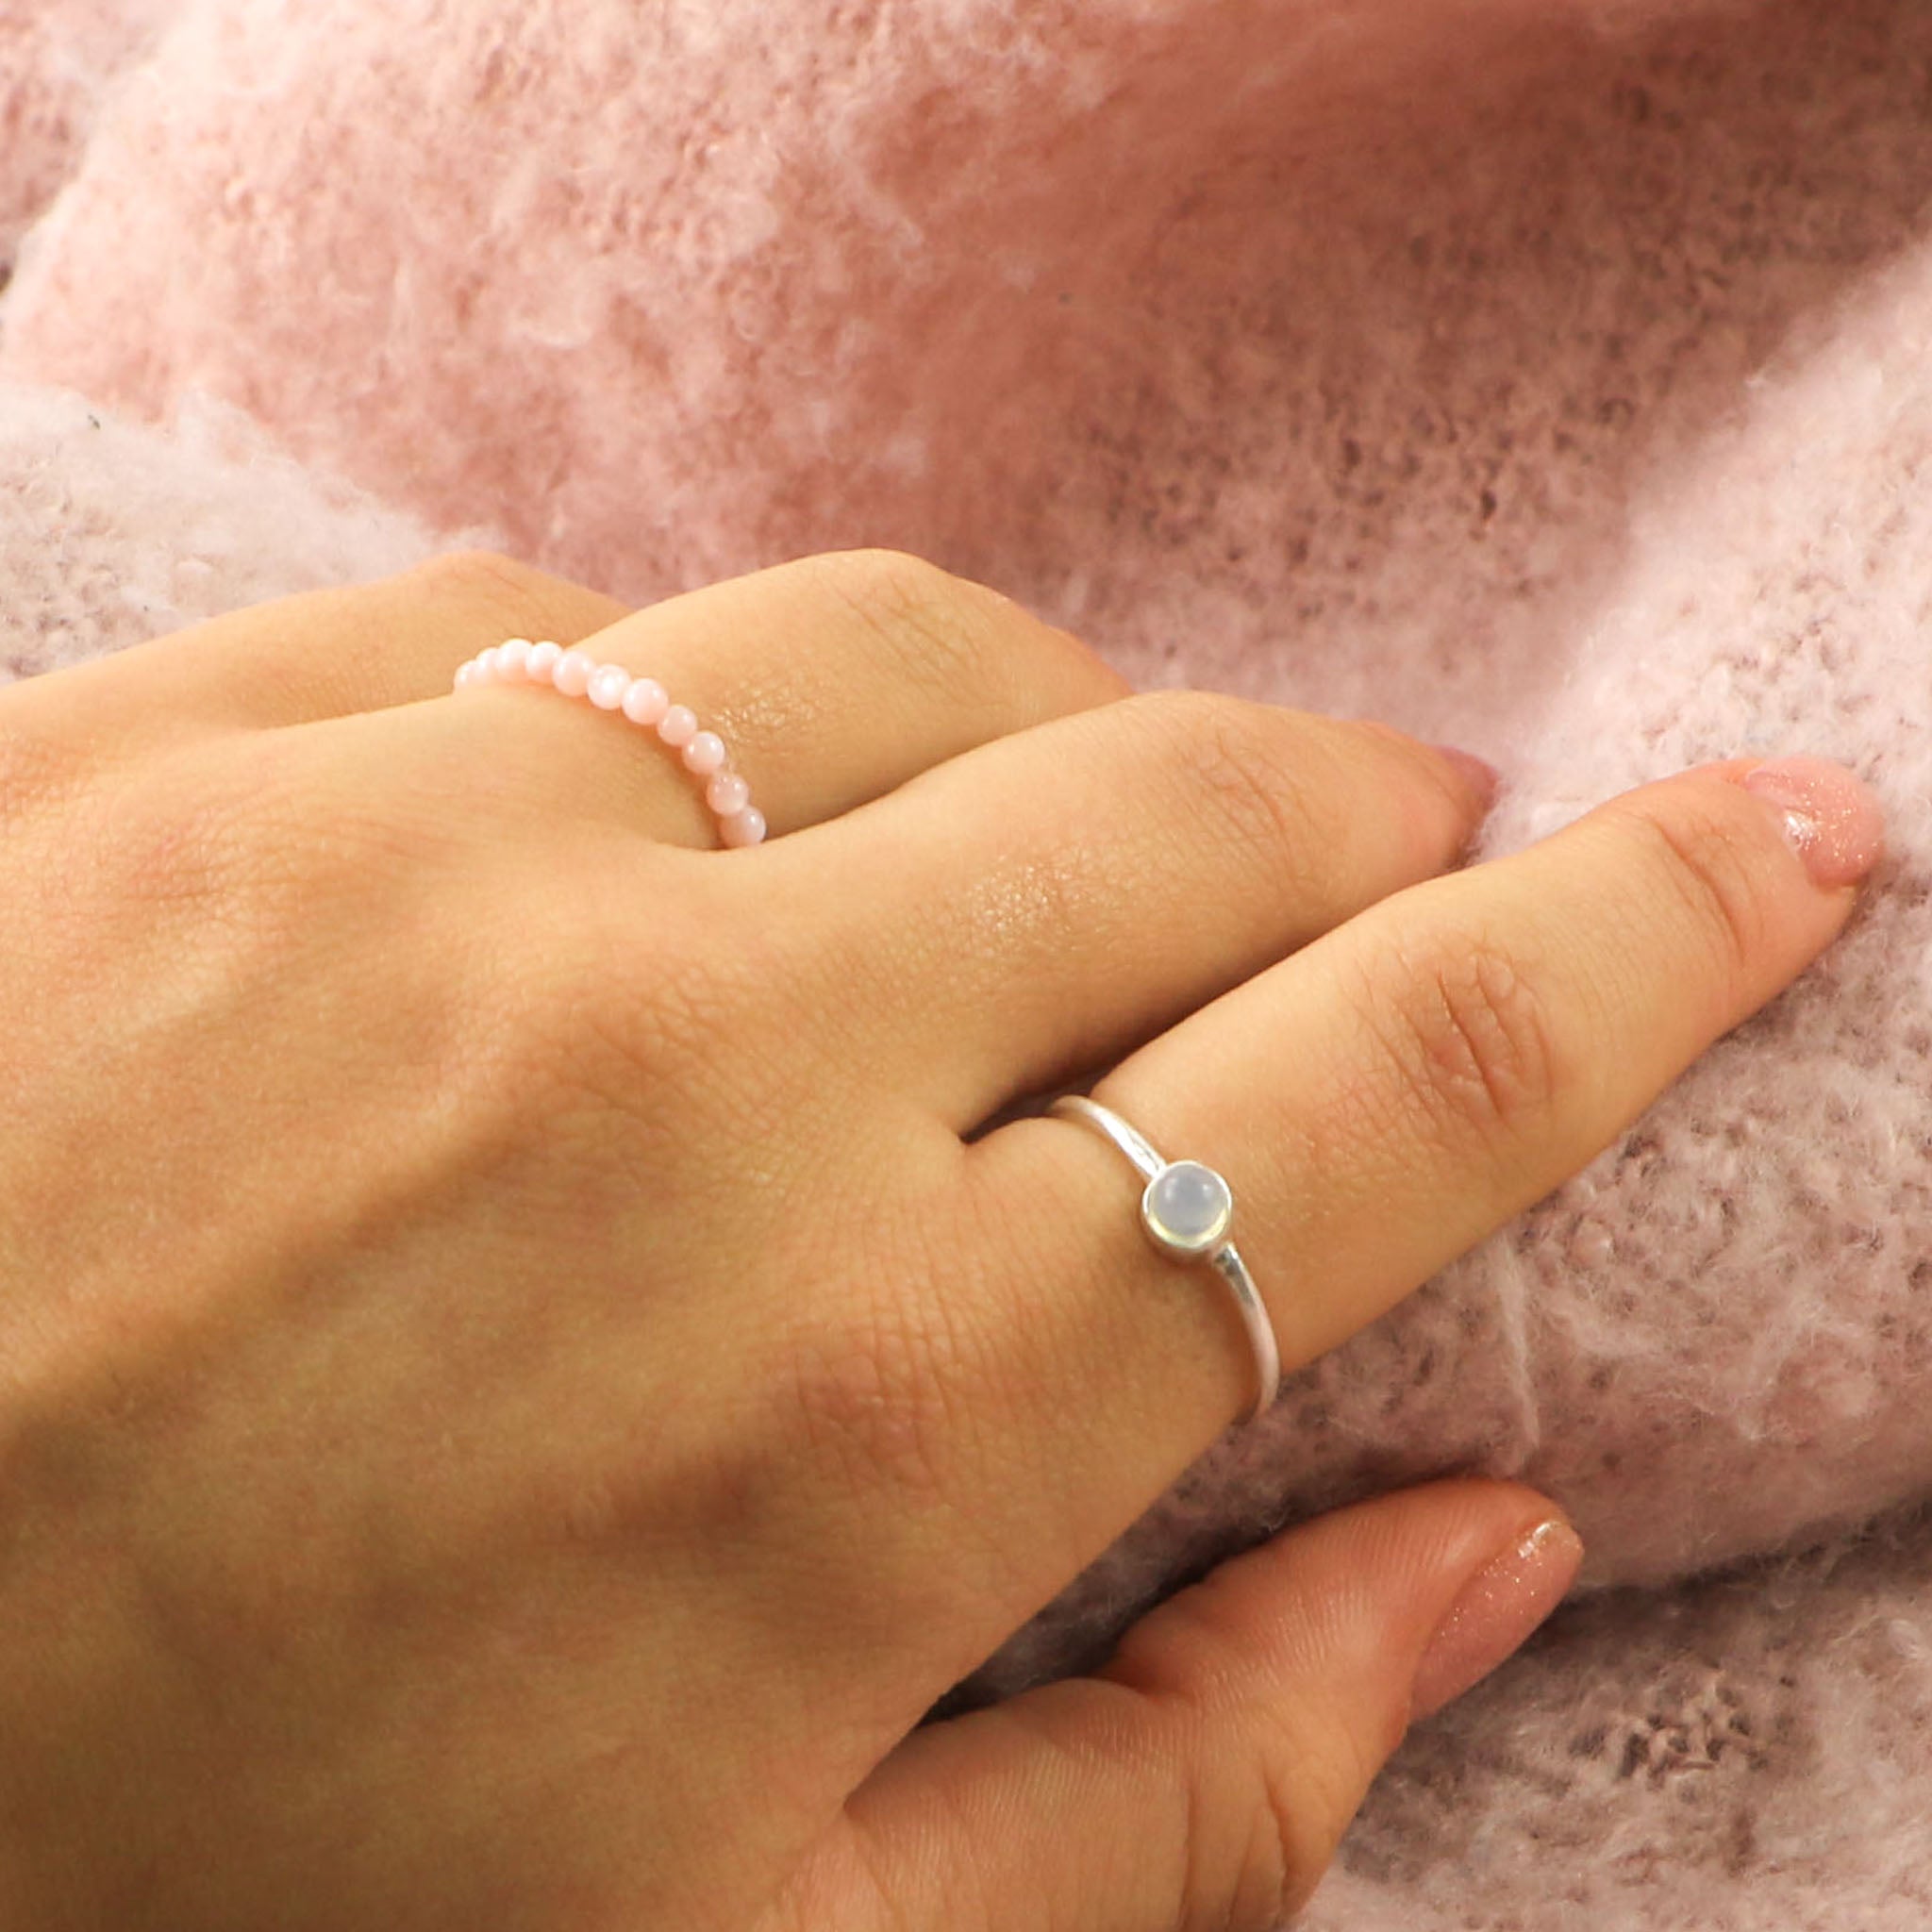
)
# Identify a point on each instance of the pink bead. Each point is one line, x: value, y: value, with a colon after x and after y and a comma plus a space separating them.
x: 727, y: 795
x: 705, y: 754
x: 608, y: 683
x: 646, y: 701
x: 514, y: 657
x: 487, y: 662
x: 746, y: 827
x: 471, y: 673
x: 542, y: 663
x: 573, y: 673
x: 678, y: 725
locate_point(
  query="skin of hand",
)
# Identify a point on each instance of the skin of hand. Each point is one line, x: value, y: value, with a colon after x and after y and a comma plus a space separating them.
x: 519, y: 1385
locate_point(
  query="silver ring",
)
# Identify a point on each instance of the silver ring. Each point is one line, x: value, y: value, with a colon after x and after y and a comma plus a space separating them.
x: 1186, y: 1212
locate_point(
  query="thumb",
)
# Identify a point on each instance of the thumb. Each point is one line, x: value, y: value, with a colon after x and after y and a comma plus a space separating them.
x: 1205, y: 1773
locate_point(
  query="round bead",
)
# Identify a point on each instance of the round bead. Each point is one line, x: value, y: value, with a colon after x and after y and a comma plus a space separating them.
x: 573, y: 673
x: 1188, y: 1210
x: 705, y: 754
x: 489, y: 667
x: 515, y: 658
x: 471, y: 673
x: 541, y: 666
x: 646, y: 701
x: 678, y: 725
x: 746, y: 827
x: 608, y: 683
x: 727, y: 795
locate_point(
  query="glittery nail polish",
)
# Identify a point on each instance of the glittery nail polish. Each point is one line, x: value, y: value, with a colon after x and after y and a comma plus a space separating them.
x: 1831, y: 819
x: 1497, y: 1610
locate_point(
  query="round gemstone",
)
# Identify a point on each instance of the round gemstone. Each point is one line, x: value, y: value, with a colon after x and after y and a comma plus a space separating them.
x: 1188, y: 1209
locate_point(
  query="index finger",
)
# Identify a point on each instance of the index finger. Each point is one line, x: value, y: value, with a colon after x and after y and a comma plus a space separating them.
x: 1418, y: 1075
x: 1379, y: 1103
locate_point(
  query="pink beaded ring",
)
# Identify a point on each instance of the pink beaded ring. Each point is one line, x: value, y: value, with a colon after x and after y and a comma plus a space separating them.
x: 643, y: 701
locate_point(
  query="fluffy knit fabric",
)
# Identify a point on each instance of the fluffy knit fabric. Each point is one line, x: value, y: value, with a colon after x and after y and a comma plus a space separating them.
x: 56, y: 65
x: 1542, y: 376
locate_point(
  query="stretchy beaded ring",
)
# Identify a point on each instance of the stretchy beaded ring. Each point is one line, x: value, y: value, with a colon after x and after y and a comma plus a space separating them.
x: 643, y: 701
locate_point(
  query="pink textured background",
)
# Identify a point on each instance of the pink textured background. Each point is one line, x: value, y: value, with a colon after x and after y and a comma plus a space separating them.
x: 1549, y: 377
x: 57, y: 64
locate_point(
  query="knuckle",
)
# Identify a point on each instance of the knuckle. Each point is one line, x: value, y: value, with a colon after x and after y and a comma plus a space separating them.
x: 1710, y: 866
x: 646, y: 1041
x: 517, y: 596
x: 39, y: 767
x: 878, y: 1395
x: 1297, y: 1784
x: 203, y: 867
x: 1231, y: 761
x: 1297, y: 1828
x: 478, y: 571
x: 1468, y: 1038
x: 214, y: 834
x: 255, y: 863
x: 243, y: 830
x: 938, y: 630
x: 583, y: 1016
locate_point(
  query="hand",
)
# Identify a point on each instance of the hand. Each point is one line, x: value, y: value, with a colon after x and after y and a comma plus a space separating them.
x: 519, y: 1390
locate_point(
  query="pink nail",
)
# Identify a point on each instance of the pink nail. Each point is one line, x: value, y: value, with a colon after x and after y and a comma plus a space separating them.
x: 1498, y: 1609
x: 1832, y: 819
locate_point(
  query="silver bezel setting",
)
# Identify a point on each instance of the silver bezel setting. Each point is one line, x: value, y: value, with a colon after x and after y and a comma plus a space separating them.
x: 1188, y: 1247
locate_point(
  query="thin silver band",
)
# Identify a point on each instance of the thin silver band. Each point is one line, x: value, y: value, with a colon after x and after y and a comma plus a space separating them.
x: 1226, y: 1262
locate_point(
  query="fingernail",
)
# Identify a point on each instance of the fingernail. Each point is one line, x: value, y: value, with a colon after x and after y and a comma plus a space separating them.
x: 1483, y: 779
x: 1498, y: 1609
x: 1832, y: 819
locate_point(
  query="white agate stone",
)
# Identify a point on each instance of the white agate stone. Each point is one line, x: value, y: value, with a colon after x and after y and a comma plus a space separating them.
x: 1188, y: 1209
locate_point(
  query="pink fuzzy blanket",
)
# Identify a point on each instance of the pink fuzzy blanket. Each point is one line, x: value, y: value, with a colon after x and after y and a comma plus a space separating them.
x: 1550, y: 376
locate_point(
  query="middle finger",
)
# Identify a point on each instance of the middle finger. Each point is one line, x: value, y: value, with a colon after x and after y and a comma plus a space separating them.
x: 1041, y: 941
